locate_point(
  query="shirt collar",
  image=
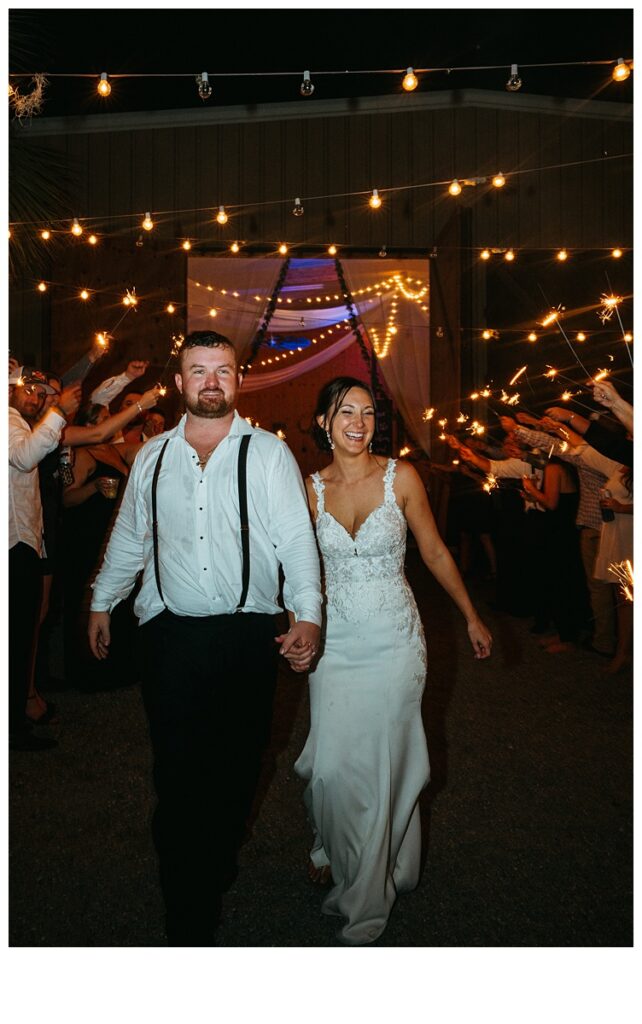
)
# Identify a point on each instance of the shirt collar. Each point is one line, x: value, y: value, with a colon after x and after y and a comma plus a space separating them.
x: 239, y: 426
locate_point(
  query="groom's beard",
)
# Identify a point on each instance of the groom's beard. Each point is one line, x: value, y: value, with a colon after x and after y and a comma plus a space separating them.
x: 210, y: 405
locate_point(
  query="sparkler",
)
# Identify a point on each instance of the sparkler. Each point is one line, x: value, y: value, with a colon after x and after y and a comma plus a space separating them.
x: 513, y: 400
x: 427, y: 415
x: 491, y: 483
x: 475, y: 395
x: 517, y: 376
x: 462, y: 418
x: 609, y: 304
x: 486, y: 393
x: 623, y: 571
x: 442, y: 423
x: 403, y: 451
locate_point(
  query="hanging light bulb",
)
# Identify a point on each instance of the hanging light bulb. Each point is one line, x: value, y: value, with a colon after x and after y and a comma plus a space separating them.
x: 580, y: 336
x: 140, y: 241
x: 499, y: 180
x: 454, y: 188
x: 485, y: 254
x: 204, y: 87
x: 45, y: 235
x: 93, y: 240
x: 298, y: 209
x: 383, y: 252
x: 187, y: 245
x: 104, y: 88
x: 375, y: 199
x: 283, y: 249
x: 410, y: 80
x: 509, y: 255
x: 148, y: 223
x: 487, y: 335
x: 532, y: 336
x: 616, y: 253
x: 42, y: 287
x: 221, y: 216
x: 307, y: 86
x: 235, y: 247
x: 76, y: 228
x: 84, y: 295
x: 213, y: 312
x: 332, y: 250
x: 562, y: 255
x: 514, y: 82
x: 628, y: 336
x: 621, y: 71
x: 170, y: 308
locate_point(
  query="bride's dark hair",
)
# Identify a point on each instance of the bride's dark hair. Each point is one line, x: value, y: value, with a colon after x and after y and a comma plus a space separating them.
x: 330, y: 398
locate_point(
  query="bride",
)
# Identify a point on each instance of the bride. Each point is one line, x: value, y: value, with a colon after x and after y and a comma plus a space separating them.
x: 365, y: 759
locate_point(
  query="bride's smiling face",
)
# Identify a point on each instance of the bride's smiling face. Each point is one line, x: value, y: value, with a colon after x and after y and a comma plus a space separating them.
x: 352, y: 422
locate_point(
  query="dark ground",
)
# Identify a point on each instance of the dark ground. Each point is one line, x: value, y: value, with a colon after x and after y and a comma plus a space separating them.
x: 527, y: 822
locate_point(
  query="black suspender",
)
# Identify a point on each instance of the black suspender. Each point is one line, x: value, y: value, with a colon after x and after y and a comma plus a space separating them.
x: 244, y: 524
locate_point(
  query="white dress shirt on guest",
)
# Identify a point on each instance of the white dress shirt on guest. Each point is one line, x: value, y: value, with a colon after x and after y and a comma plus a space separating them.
x: 27, y: 448
x: 199, y: 541
x: 513, y: 468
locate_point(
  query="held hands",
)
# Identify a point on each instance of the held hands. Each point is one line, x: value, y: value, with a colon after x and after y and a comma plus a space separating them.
x: 136, y: 368
x: 480, y: 638
x: 299, y: 645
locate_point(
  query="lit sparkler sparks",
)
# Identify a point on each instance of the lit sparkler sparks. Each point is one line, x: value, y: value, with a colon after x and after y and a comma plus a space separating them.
x: 551, y: 372
x: 462, y: 417
x: 130, y: 298
x: 623, y: 571
x: 404, y: 451
x: 550, y: 318
x: 491, y: 483
x: 427, y: 415
x: 475, y: 395
x: 517, y: 376
x: 442, y: 423
x: 600, y: 375
x: 486, y: 393
x: 442, y: 437
x: 513, y: 400
x: 609, y: 304
x: 566, y: 396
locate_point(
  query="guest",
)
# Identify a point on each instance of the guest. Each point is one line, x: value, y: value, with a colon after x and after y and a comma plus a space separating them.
x: 365, y: 759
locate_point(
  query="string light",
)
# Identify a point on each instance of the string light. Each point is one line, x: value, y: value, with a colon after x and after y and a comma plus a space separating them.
x: 45, y: 235
x: 514, y: 81
x: 103, y: 88
x: 485, y: 254
x: 454, y: 188
x: 621, y: 71
x: 375, y: 199
x: 628, y: 336
x: 410, y: 81
x: 487, y: 335
x: 283, y: 249
x: 562, y: 255
x: 76, y: 228
x: 509, y: 255
x: 616, y: 253
x: 147, y: 223
x: 235, y: 247
x: 499, y: 180
x: 187, y: 245
x: 129, y: 298
x: 204, y: 87
x: 221, y: 216
x: 170, y: 308
x: 84, y: 295
x: 532, y: 336
x: 42, y: 287
x: 332, y: 250
x: 307, y: 85
x: 213, y: 312
x: 298, y: 209
x: 92, y: 240
x: 580, y: 336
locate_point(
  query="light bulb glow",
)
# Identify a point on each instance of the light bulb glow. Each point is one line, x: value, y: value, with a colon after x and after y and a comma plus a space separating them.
x: 147, y: 223
x: 104, y: 88
x: 76, y: 228
x: 514, y: 81
x: 485, y: 254
x: 45, y: 235
x: 628, y: 336
x: 509, y: 256
x: 532, y: 336
x: 204, y: 87
x: 580, y: 336
x: 562, y: 255
x: 487, y: 335
x: 410, y: 81
x: 42, y: 287
x: 616, y: 253
x: 221, y: 216
x: 621, y: 71
x: 375, y: 200
x: 307, y: 86
x: 332, y: 250
x: 454, y: 188
x: 170, y: 308
x: 283, y: 249
x: 213, y: 312
x: 84, y: 295
x: 187, y: 245
x: 499, y: 180
x: 235, y: 247
x: 92, y: 240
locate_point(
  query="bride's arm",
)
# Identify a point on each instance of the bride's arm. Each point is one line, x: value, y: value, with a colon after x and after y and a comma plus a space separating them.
x: 436, y: 555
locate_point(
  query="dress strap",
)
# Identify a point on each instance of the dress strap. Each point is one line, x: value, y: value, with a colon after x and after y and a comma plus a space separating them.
x: 388, y: 478
x: 319, y: 490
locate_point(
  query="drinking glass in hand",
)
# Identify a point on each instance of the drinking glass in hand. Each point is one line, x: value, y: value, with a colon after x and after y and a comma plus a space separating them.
x: 608, y: 515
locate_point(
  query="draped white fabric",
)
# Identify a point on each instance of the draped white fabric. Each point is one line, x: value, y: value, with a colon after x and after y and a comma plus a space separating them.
x: 258, y: 381
x: 405, y: 366
x: 230, y: 286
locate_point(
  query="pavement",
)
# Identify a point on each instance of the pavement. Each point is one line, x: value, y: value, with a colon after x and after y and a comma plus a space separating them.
x: 527, y: 822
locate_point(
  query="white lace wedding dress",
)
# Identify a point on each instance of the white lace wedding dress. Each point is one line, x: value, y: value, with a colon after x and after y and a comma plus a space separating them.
x: 365, y: 759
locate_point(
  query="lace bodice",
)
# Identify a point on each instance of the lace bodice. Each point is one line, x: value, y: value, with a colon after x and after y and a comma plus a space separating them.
x: 364, y: 575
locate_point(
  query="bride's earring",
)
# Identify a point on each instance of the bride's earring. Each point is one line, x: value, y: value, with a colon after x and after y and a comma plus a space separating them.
x: 370, y: 447
x: 330, y: 441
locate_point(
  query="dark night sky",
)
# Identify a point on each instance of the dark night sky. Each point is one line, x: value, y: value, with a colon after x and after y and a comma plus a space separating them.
x: 257, y: 40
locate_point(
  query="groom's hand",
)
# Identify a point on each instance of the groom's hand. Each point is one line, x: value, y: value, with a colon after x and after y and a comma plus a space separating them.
x: 299, y: 645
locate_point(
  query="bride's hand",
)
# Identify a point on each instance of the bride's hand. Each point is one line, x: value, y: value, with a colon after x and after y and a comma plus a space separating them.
x: 480, y: 638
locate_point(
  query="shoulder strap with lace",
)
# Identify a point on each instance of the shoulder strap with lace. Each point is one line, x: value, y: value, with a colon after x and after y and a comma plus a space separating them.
x: 319, y: 490
x: 388, y: 479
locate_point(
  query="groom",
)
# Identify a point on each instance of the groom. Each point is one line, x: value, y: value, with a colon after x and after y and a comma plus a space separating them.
x: 212, y: 510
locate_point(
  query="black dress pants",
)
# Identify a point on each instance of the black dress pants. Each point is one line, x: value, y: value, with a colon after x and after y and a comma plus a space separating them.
x: 25, y: 588
x: 208, y: 688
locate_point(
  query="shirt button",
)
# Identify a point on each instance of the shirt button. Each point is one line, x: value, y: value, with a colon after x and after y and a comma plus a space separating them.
x: 200, y: 538
x: 201, y: 508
